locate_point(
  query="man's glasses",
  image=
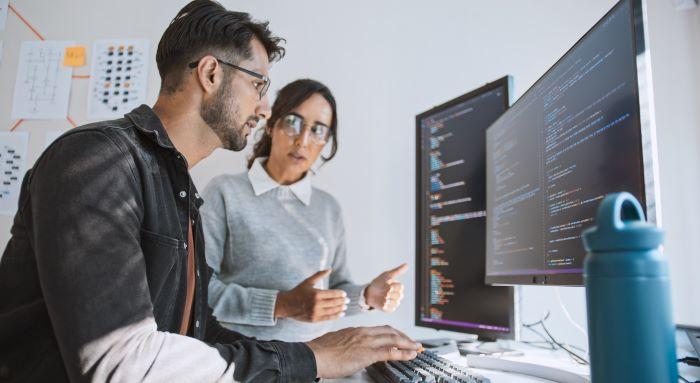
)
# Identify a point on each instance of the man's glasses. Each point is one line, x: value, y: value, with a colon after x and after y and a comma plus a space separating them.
x: 293, y: 126
x: 261, y: 87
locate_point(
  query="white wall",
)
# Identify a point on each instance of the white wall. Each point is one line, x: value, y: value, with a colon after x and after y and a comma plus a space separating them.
x: 388, y: 60
x: 675, y: 44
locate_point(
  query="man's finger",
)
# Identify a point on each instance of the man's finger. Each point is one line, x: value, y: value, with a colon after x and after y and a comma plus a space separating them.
x: 379, y: 330
x: 316, y: 277
x: 399, y: 354
x: 406, y: 336
x: 394, y: 339
x: 395, y: 272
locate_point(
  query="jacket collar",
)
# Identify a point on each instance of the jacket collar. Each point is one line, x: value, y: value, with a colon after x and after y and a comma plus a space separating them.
x: 148, y: 122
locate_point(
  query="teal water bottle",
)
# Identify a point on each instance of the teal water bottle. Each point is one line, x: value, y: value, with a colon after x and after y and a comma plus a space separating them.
x: 628, y: 297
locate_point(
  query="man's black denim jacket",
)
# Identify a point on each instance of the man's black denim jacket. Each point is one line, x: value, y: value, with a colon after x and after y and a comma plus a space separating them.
x: 99, y: 245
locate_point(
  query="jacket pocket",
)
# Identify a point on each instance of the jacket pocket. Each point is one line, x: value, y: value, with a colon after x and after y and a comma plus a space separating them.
x: 163, y: 265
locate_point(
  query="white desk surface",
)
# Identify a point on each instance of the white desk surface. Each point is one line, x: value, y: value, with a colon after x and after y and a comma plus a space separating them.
x: 532, y: 355
x: 552, y: 359
x: 496, y: 377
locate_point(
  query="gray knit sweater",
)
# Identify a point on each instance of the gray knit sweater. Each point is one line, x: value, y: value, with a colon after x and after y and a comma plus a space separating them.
x: 261, y: 244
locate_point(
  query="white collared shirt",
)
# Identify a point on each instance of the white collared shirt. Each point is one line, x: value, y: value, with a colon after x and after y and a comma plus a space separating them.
x: 262, y: 182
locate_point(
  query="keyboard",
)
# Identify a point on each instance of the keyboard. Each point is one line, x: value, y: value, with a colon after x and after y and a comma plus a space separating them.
x: 426, y: 368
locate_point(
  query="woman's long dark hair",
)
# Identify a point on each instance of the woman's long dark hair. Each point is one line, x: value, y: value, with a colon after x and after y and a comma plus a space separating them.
x: 288, y: 98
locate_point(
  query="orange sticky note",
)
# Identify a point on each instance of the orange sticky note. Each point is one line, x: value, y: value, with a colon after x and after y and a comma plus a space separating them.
x: 74, y: 56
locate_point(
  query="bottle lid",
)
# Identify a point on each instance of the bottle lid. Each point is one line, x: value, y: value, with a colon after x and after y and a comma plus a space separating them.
x: 621, y: 226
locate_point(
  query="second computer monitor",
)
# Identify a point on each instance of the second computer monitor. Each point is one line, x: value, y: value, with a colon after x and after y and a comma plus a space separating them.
x: 451, y: 208
x: 583, y: 130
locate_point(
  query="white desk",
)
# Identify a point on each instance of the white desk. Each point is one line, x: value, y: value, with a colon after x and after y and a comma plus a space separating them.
x: 532, y: 354
x: 496, y: 377
x: 553, y: 359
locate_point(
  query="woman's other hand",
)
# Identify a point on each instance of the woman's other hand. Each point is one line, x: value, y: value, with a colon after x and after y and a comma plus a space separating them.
x: 385, y: 292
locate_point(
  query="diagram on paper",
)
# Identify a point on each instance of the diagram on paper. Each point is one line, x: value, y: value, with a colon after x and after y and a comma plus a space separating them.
x: 13, y: 159
x: 118, y: 77
x: 42, y: 87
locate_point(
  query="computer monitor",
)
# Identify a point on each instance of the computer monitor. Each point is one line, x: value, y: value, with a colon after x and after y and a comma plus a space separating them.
x: 583, y: 130
x: 450, y: 209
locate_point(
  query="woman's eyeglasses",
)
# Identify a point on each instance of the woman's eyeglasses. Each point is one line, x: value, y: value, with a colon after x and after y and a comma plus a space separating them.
x: 293, y: 126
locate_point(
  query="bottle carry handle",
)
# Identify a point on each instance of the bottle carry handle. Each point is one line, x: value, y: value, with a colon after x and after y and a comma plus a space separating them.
x: 617, y: 210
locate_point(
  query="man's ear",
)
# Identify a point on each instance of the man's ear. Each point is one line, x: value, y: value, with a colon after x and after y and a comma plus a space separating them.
x: 208, y: 74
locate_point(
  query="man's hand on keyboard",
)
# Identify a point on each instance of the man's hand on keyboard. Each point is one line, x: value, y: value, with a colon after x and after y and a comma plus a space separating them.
x: 342, y: 353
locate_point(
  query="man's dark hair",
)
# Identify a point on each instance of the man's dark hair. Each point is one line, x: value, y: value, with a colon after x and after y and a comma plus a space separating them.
x: 205, y: 27
x: 288, y: 98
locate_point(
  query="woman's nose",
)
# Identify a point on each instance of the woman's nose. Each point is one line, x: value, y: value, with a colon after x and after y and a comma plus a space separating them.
x: 303, y: 138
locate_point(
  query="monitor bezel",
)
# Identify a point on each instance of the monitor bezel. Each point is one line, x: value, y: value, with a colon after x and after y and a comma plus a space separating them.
x: 648, y: 144
x: 505, y: 83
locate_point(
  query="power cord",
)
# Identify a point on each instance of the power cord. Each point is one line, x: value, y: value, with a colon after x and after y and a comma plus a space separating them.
x: 530, y: 327
x: 553, y: 341
x: 580, y: 359
x: 567, y: 315
x: 539, y: 344
x: 690, y: 360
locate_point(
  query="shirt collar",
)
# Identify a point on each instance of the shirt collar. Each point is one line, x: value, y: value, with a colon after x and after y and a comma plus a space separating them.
x: 262, y: 182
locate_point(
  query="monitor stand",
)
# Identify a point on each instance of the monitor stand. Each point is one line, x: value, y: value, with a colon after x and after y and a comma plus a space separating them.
x: 468, y: 345
x: 486, y: 347
x: 440, y: 346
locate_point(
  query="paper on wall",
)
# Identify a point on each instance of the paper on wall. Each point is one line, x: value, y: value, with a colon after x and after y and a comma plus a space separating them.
x: 13, y: 162
x: 118, y: 77
x: 3, y: 13
x: 42, y: 87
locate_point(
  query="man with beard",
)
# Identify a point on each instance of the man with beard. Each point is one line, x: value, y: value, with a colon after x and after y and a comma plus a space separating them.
x: 105, y: 278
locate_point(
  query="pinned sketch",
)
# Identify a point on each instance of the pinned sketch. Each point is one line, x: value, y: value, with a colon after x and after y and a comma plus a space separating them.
x: 42, y: 88
x: 3, y: 13
x: 13, y: 159
x: 118, y: 77
x: 51, y: 136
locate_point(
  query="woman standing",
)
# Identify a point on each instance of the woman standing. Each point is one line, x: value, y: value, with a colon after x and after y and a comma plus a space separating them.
x: 275, y: 242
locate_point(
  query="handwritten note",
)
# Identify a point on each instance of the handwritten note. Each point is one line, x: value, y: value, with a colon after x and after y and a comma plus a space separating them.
x: 74, y: 56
